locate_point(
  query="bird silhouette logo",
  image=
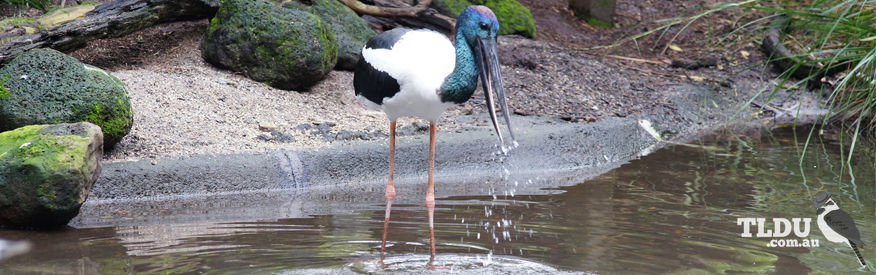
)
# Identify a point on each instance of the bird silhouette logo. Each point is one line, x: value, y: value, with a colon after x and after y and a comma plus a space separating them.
x: 836, y: 225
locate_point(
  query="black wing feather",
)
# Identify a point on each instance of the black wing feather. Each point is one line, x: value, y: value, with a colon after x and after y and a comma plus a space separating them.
x: 843, y: 224
x: 371, y: 83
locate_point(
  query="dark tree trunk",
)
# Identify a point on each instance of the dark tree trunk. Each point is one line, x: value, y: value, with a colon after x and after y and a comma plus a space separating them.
x: 602, y: 10
x: 427, y: 18
x: 109, y: 20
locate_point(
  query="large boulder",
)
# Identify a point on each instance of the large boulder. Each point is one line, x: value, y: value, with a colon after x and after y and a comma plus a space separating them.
x: 44, y: 86
x: 286, y: 48
x: 46, y: 172
x: 514, y: 18
x: 350, y: 30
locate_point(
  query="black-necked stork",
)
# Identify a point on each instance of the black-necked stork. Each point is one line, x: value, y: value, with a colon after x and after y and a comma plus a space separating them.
x: 419, y: 73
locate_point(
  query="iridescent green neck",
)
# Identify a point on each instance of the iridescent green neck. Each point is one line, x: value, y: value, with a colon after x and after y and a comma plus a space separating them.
x: 461, y: 83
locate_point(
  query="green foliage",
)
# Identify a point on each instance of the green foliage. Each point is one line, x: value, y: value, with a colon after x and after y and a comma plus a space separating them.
x: 822, y: 36
x: 830, y: 34
x: 36, y: 4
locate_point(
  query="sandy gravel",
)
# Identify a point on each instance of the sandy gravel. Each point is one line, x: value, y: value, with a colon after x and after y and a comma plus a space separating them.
x: 184, y: 106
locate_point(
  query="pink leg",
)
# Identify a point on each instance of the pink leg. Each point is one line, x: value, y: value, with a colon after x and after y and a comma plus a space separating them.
x: 430, y: 190
x: 390, y: 190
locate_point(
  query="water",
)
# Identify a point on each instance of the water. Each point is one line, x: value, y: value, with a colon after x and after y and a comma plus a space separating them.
x: 672, y: 211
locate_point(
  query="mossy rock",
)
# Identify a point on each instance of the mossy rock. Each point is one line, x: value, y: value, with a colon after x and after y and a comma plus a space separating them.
x: 350, y: 30
x: 63, y: 15
x: 286, y: 48
x: 13, y: 22
x: 44, y: 86
x: 51, y: 19
x: 46, y: 172
x: 514, y: 18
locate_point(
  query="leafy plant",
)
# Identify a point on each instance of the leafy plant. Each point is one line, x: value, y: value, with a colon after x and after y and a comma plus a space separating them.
x: 830, y: 34
x: 822, y: 37
x: 36, y: 4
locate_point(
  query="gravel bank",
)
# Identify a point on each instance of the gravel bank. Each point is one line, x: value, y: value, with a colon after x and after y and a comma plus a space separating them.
x: 185, y: 107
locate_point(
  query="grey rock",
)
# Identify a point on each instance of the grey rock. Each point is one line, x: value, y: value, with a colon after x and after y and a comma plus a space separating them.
x: 46, y: 172
x: 44, y: 86
x: 350, y: 30
x: 286, y: 48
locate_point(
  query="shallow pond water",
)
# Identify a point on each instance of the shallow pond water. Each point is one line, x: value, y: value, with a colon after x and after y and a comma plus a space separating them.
x: 673, y: 211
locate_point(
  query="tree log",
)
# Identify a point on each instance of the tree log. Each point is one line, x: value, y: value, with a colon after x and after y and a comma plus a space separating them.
x: 376, y: 10
x: 423, y: 18
x: 110, y: 20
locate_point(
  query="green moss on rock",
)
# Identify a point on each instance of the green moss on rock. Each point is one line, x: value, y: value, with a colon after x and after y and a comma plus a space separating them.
x: 45, y: 86
x: 596, y: 22
x: 46, y: 172
x: 514, y: 18
x: 286, y: 48
x: 351, y: 31
x: 4, y: 93
x: 13, y: 22
x: 450, y: 7
x: 113, y: 121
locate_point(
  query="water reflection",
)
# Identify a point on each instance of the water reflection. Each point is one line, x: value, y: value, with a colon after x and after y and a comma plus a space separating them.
x: 673, y: 211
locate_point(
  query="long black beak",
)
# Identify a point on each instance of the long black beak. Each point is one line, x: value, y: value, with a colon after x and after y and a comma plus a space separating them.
x: 491, y: 79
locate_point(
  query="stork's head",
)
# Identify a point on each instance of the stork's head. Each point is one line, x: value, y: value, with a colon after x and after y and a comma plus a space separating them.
x: 479, y: 27
x: 477, y: 22
x: 823, y: 200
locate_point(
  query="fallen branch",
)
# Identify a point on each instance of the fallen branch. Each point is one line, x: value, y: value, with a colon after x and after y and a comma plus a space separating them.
x: 376, y: 10
x: 428, y: 18
x: 779, y: 113
x: 636, y: 59
x: 108, y: 20
x: 782, y: 57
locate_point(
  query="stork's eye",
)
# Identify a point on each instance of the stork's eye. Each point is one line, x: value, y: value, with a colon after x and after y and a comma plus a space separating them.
x: 484, y: 26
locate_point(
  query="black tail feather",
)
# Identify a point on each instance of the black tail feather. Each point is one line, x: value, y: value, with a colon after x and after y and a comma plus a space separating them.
x: 857, y: 253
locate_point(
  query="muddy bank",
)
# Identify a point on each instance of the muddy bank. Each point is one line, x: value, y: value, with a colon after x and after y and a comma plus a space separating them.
x: 184, y: 107
x: 337, y: 178
x: 197, y: 147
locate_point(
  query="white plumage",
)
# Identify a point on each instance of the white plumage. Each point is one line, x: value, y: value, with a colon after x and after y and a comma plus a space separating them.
x: 419, y: 61
x: 828, y: 232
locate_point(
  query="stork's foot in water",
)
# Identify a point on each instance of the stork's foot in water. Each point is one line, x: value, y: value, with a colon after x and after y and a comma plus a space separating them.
x: 385, y: 231
x: 430, y: 191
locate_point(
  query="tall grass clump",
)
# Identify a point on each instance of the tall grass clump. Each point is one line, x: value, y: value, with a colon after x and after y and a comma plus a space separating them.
x: 836, y: 34
x: 832, y: 41
x: 36, y: 4
x: 833, y: 36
